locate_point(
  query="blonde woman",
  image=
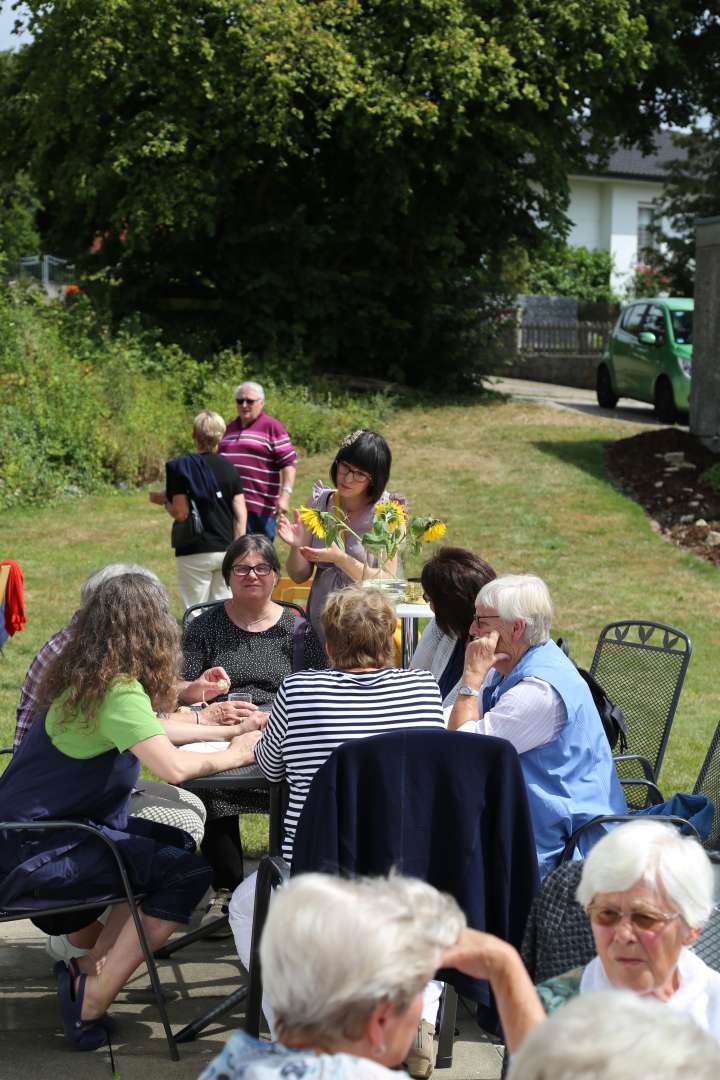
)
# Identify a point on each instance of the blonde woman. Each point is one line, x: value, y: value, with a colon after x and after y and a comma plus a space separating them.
x: 211, y: 482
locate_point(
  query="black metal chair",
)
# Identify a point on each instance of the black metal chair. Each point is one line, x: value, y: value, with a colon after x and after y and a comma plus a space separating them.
x: 127, y: 896
x: 216, y: 603
x: 558, y: 936
x: 707, y: 783
x: 641, y: 665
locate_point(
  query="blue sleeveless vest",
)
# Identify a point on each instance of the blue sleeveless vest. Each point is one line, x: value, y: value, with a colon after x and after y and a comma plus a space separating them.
x: 571, y: 779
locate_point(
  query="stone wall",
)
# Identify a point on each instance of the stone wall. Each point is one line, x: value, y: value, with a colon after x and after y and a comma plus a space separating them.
x: 705, y: 386
x: 563, y: 370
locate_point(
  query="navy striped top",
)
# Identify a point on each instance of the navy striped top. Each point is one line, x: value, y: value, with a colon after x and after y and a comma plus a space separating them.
x: 315, y: 711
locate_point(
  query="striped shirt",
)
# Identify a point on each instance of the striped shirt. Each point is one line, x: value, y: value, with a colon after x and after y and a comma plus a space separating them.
x: 316, y: 711
x: 258, y: 452
x: 29, y: 707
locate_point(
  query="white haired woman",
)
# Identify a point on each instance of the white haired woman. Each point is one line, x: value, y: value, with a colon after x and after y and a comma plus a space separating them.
x: 648, y: 891
x: 518, y: 685
x: 616, y: 1036
x: 212, y: 483
x: 344, y: 966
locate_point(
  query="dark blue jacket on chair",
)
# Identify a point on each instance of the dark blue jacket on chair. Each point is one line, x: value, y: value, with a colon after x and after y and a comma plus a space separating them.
x: 447, y: 807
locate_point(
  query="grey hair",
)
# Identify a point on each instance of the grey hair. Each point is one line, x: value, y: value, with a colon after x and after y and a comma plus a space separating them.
x: 112, y: 570
x: 521, y: 596
x: 616, y: 1035
x: 332, y: 950
x: 656, y: 853
x: 208, y: 429
x: 253, y: 386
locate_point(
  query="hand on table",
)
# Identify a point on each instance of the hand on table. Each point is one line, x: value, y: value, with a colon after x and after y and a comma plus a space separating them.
x: 242, y: 749
x: 229, y: 712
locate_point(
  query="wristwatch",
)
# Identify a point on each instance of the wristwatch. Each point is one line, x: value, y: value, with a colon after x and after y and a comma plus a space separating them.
x: 468, y: 691
x: 286, y: 487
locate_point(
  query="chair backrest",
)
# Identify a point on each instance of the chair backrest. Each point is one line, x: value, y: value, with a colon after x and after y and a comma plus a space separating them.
x: 707, y: 945
x: 199, y: 608
x: 558, y: 936
x: 708, y: 783
x: 438, y: 805
x: 641, y: 666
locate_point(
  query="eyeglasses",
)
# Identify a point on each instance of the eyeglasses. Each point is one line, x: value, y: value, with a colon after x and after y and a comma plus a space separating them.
x: 247, y: 400
x: 641, y: 920
x: 242, y: 569
x: 484, y: 618
x: 353, y: 474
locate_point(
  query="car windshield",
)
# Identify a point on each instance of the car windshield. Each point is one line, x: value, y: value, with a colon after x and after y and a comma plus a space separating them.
x: 682, y: 324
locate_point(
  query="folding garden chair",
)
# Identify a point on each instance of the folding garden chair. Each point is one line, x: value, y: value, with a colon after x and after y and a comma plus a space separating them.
x: 641, y: 666
x: 37, y: 907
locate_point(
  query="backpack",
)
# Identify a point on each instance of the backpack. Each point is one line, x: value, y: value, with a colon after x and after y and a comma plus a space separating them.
x: 611, y: 715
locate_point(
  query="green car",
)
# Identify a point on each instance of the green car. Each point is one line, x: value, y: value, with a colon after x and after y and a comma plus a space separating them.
x: 649, y: 357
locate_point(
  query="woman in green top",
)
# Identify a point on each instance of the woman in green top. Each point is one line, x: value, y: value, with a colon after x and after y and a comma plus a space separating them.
x: 119, y: 666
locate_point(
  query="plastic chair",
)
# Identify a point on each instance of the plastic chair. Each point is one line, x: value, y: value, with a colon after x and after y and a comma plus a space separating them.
x: 641, y: 665
x: 17, y: 912
x: 294, y: 591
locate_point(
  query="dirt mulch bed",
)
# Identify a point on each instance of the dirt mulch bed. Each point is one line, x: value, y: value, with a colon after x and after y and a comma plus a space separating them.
x: 663, y: 470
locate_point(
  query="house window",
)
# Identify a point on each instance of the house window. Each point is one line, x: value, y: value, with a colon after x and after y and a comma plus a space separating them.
x: 645, y: 237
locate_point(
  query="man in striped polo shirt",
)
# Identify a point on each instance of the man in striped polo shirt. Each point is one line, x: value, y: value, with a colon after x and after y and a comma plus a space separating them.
x: 260, y: 449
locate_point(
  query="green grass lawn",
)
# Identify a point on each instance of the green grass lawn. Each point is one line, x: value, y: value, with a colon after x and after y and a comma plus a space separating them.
x: 522, y: 485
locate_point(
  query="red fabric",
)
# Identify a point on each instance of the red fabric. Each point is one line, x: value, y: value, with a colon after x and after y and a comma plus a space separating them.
x: 15, y: 617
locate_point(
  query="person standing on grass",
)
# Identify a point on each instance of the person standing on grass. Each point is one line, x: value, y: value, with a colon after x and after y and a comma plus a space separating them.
x: 260, y: 449
x: 215, y: 487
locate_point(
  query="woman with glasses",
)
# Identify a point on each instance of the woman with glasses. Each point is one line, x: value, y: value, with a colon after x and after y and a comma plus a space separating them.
x: 359, y: 474
x: 258, y: 643
x: 648, y: 891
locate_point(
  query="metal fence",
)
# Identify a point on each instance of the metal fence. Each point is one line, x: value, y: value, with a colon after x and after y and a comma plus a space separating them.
x: 48, y: 269
x: 578, y: 339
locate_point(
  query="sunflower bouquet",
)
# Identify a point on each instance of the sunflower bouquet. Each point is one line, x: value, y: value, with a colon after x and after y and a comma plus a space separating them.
x: 392, y: 531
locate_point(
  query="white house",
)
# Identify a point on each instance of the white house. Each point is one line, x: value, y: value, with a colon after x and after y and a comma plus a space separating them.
x: 612, y: 208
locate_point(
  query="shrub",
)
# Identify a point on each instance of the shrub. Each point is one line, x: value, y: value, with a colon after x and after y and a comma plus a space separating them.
x: 85, y: 406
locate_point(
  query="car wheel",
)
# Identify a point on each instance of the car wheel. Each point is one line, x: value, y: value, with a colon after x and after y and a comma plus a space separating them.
x: 665, y: 409
x: 606, y: 396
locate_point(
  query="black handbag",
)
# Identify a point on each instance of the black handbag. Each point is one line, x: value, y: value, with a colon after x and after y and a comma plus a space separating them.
x: 188, y: 531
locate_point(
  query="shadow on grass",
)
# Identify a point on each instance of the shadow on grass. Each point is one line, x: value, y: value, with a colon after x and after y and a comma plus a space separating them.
x: 585, y: 454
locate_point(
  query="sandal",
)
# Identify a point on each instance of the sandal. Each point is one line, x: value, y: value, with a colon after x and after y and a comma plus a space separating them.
x: 82, y: 1034
x: 75, y: 973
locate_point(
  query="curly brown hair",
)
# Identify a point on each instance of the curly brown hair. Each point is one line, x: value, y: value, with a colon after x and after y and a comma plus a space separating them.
x: 124, y: 630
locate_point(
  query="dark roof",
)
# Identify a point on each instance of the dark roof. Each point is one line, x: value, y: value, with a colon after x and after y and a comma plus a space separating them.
x: 632, y: 163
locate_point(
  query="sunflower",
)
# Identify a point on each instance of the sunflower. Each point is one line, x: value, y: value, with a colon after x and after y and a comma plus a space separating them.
x: 392, y: 513
x: 311, y: 520
x: 435, y: 530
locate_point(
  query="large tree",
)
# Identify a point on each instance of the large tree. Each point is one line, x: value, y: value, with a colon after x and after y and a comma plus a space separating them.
x: 692, y: 191
x: 341, y: 176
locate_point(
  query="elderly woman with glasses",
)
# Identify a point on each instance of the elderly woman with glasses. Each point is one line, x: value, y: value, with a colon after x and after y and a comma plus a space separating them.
x: 648, y: 891
x: 359, y: 474
x: 518, y: 685
x: 257, y: 642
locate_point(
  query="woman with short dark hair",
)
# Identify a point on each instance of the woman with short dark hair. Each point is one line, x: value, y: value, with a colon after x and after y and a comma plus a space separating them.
x: 359, y: 473
x: 451, y: 580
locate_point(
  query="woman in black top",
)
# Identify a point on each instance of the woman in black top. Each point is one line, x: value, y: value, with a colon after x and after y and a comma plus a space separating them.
x: 215, y: 487
x: 257, y: 642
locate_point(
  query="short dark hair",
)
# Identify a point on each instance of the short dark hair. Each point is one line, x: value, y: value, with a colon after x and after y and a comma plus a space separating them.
x: 452, y: 578
x: 251, y: 542
x: 368, y: 452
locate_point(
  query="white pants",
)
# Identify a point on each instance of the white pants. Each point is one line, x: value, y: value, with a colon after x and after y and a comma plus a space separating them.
x: 240, y: 913
x: 199, y: 578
